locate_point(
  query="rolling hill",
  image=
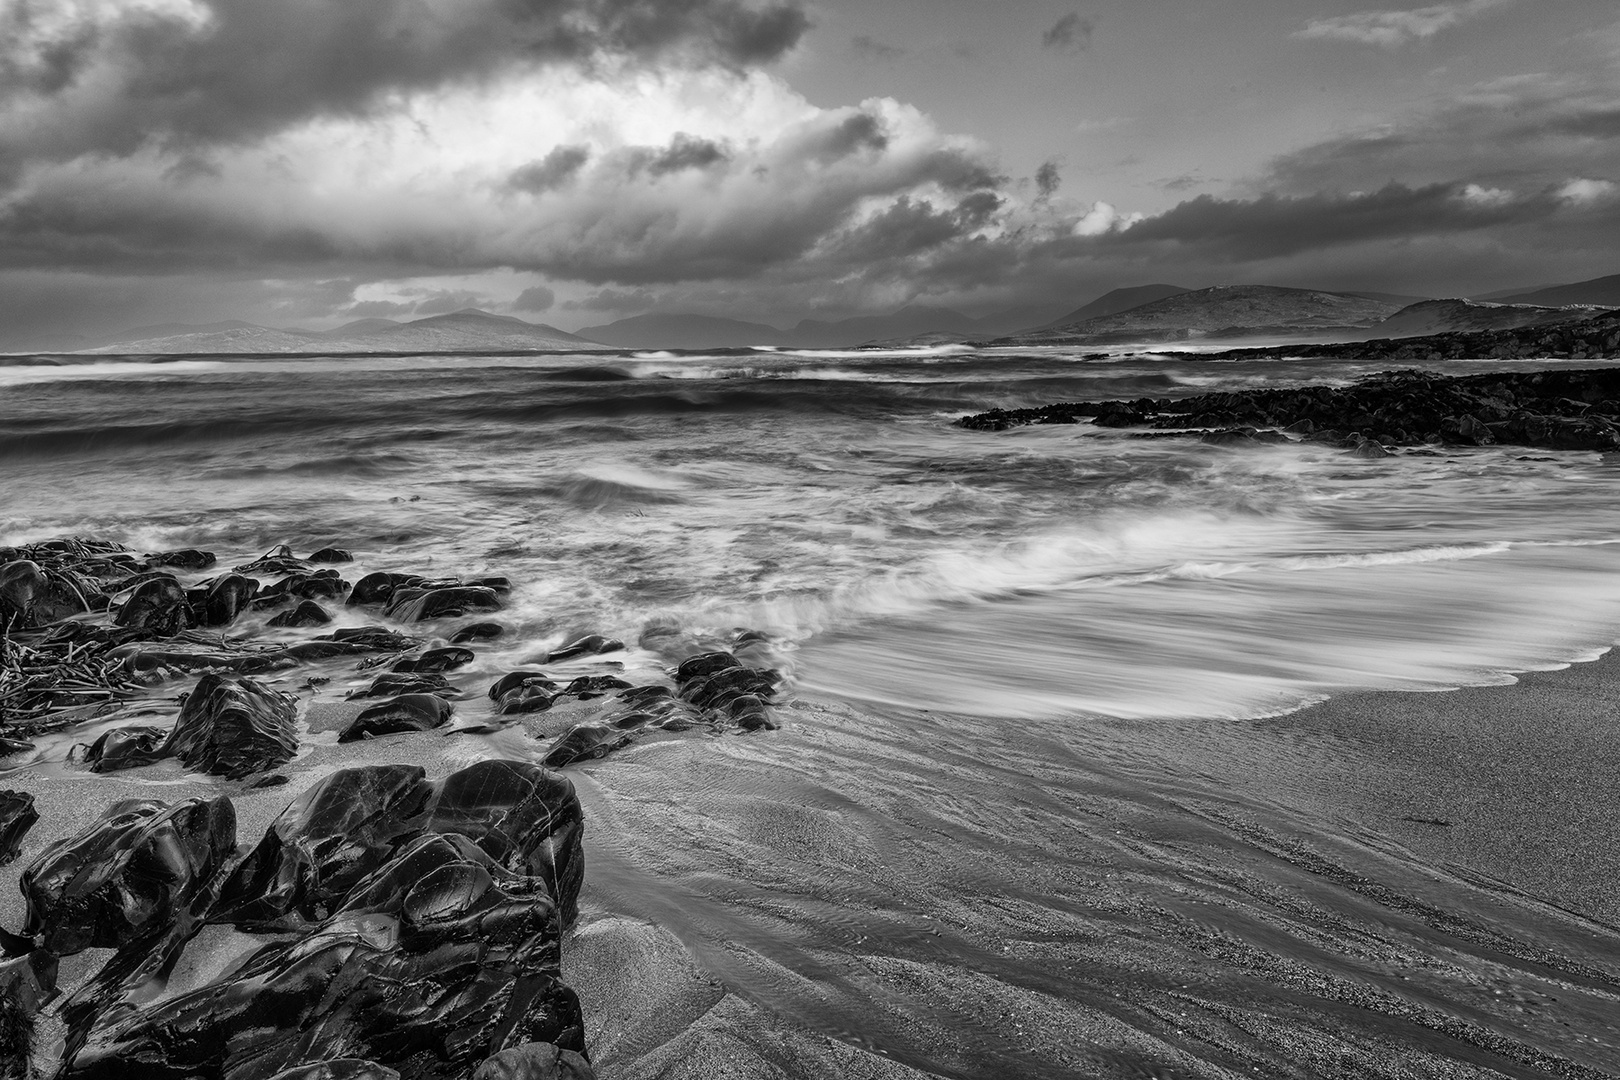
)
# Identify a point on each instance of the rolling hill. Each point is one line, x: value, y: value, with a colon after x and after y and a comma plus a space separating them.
x: 468, y: 330
x: 1222, y: 311
x: 1603, y: 291
x: 1446, y: 316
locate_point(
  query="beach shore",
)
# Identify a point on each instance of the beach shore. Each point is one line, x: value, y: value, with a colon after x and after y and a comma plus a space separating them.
x: 1385, y: 884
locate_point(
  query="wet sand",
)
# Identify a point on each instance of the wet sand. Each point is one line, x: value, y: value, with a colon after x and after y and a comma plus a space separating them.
x: 889, y: 894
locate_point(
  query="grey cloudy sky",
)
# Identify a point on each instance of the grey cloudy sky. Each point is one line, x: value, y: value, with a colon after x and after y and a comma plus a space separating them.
x: 303, y: 162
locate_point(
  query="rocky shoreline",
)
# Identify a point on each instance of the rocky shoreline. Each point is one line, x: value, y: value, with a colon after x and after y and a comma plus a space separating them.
x: 1559, y: 410
x: 413, y: 927
x: 1596, y: 338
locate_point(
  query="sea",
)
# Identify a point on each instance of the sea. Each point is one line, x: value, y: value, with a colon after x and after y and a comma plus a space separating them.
x: 998, y: 831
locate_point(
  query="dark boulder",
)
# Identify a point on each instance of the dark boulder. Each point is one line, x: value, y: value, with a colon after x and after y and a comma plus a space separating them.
x: 234, y: 727
x: 417, y: 604
x: 224, y: 599
x: 126, y: 748
x: 374, y: 638
x: 14, y: 746
x: 395, y: 683
x: 307, y: 613
x: 589, y: 686
x: 440, y: 958
x: 526, y: 818
x: 514, y: 680
x: 184, y: 559
x: 584, y: 742
x: 530, y: 698
x: 331, y: 555
x: 278, y: 560
x: 17, y: 816
x: 436, y: 660
x: 378, y: 587
x: 127, y: 875
x: 27, y: 983
x: 694, y: 667
x: 589, y: 645
x: 408, y: 712
x: 158, y: 604
x: 21, y: 580
x: 479, y: 631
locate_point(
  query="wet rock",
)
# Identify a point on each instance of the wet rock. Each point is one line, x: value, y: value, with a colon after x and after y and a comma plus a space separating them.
x: 717, y: 690
x: 513, y: 680
x: 719, y: 684
x: 525, y: 817
x: 14, y: 746
x: 128, y: 874
x: 307, y: 613
x: 479, y: 631
x: 535, y: 1061
x: 408, y: 712
x: 751, y: 713
x: 378, y: 587
x: 224, y: 600
x: 417, y: 604
x: 184, y: 559
x: 531, y: 698
x: 588, y: 686
x: 17, y: 816
x: 126, y: 748
x: 234, y: 727
x: 694, y: 667
x: 374, y: 638
x: 278, y: 560
x: 589, y: 645
x: 331, y: 555
x: 394, y: 683
x: 436, y: 660
x: 440, y: 957
x: 158, y: 604
x: 584, y: 742
x: 322, y: 584
x: 20, y: 581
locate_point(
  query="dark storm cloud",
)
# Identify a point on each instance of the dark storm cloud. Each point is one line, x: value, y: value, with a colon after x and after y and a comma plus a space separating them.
x: 535, y: 298
x: 1275, y: 225
x: 1524, y: 131
x: 82, y: 79
x: 1070, y: 34
x: 1047, y: 179
x: 687, y: 152
x: 551, y: 172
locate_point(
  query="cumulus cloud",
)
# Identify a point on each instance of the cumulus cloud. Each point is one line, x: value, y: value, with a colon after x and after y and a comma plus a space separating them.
x: 1392, y: 29
x: 1070, y: 34
x: 80, y: 76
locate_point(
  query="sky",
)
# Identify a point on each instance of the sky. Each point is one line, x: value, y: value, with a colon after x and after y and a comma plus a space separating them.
x: 310, y: 162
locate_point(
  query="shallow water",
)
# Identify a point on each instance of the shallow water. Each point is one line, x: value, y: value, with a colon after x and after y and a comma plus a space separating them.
x: 1046, y: 587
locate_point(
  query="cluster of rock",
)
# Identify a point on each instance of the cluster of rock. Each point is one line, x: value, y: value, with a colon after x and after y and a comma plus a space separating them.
x: 420, y: 921
x: 1593, y: 338
x: 1563, y: 410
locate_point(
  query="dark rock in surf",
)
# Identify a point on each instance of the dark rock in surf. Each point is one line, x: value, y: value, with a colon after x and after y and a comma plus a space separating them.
x: 480, y: 631
x: 374, y: 639
x: 278, y: 560
x: 408, y: 712
x: 331, y: 555
x: 583, y: 742
x: 535, y: 1061
x: 27, y: 983
x: 378, y: 587
x: 439, y: 957
x: 234, y: 727
x: 126, y: 748
x: 415, y: 603
x: 17, y: 816
x: 127, y: 875
x: 224, y: 599
x: 307, y: 613
x: 589, y: 686
x: 436, y: 660
x: 512, y: 680
x: 395, y: 683
x: 158, y: 604
x: 14, y: 746
x: 589, y: 645
x: 184, y: 559
x: 525, y: 817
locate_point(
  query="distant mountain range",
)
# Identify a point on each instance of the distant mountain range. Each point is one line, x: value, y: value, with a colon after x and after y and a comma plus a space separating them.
x: 1145, y: 313
x: 1603, y: 292
x: 659, y: 331
x: 1222, y: 311
x: 468, y: 330
x: 1447, y: 316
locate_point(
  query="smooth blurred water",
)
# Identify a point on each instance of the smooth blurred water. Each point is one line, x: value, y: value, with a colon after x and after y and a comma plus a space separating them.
x: 828, y: 499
